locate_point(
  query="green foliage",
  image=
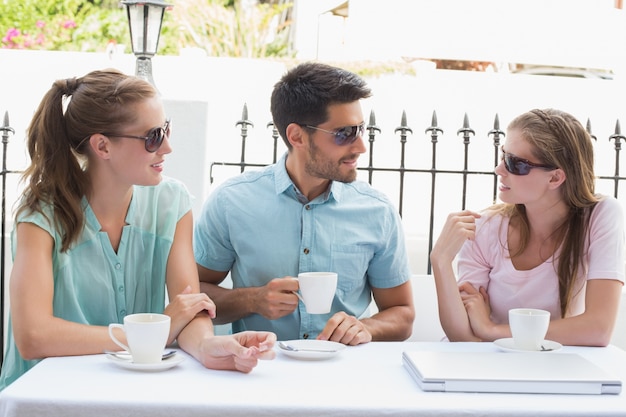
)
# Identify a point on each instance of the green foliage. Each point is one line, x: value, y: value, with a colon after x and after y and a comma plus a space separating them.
x: 223, y: 30
x: 219, y: 27
x: 70, y: 25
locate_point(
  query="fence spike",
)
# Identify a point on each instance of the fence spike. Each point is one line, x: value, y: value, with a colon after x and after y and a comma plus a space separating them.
x: 588, y: 128
x: 466, y: 130
x: 244, y: 122
x: 5, y: 128
x: 617, y: 136
x: 371, y: 127
x: 496, y: 132
x: 433, y: 128
x: 404, y: 128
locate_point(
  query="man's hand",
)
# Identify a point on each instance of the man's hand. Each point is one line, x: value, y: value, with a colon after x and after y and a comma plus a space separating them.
x: 345, y: 329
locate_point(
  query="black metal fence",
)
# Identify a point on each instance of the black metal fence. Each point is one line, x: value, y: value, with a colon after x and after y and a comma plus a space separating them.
x: 5, y: 130
x: 433, y: 172
x: 423, y: 161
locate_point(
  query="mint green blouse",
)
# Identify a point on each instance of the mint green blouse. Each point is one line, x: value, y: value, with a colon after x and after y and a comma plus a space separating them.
x: 95, y: 285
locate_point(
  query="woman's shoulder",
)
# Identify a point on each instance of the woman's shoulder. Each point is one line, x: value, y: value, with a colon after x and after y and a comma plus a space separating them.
x: 491, y: 215
x: 168, y: 187
x: 42, y: 216
x: 169, y: 196
x: 607, y: 206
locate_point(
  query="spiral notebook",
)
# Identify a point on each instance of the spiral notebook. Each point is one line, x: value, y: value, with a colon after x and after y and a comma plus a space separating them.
x: 535, y: 372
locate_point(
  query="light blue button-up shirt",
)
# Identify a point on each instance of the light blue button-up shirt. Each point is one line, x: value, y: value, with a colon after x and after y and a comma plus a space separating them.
x: 256, y: 226
x: 95, y: 285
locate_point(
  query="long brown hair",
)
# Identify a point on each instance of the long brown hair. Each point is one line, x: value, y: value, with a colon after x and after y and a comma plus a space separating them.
x: 69, y: 113
x: 558, y: 139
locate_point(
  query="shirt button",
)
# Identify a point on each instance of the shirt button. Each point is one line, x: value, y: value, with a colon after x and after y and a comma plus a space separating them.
x: 305, y: 336
x: 307, y: 207
x: 306, y: 251
x: 120, y: 288
x: 122, y: 313
x: 118, y: 266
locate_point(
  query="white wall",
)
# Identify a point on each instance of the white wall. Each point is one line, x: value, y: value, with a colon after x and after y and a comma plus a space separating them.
x: 573, y: 33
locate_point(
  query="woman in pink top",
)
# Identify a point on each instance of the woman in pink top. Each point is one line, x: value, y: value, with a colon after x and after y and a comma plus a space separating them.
x: 552, y: 244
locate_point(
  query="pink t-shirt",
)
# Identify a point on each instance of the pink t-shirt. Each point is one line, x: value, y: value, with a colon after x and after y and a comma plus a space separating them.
x: 485, y: 262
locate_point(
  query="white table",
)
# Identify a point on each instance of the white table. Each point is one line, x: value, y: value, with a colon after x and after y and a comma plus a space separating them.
x: 367, y: 380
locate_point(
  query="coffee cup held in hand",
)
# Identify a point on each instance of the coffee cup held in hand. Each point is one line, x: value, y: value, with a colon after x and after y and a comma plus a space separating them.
x: 318, y: 291
x: 528, y: 327
x: 146, y: 334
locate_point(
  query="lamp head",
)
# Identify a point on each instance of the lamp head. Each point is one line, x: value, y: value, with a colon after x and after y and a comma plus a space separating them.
x: 144, y: 19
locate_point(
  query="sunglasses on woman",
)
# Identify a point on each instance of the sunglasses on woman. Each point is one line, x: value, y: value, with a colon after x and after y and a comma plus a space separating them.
x: 519, y: 166
x: 344, y: 135
x: 154, y: 138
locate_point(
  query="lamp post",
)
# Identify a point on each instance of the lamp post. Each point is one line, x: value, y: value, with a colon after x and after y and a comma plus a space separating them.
x: 144, y: 19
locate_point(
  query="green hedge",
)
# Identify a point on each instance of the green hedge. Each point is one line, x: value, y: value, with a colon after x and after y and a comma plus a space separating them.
x: 220, y: 27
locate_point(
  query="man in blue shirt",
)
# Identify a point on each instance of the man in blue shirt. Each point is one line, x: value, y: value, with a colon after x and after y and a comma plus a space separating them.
x: 307, y: 213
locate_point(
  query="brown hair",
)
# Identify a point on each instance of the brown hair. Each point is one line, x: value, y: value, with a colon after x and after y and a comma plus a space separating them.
x: 304, y: 93
x: 69, y: 113
x: 558, y: 139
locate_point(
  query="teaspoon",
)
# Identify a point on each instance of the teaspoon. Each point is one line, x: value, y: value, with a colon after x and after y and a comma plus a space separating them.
x: 127, y: 356
x: 285, y: 346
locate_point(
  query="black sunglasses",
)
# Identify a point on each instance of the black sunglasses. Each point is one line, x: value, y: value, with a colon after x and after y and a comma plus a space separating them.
x: 519, y: 166
x: 344, y: 135
x: 154, y: 138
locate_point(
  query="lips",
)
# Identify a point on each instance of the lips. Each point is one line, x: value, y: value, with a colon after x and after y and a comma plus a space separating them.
x: 350, y: 161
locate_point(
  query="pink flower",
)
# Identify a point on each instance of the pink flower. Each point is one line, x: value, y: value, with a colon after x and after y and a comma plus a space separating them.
x: 41, y: 24
x: 69, y: 24
x: 12, y: 33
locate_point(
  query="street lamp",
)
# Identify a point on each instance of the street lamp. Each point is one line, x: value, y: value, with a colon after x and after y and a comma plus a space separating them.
x: 144, y: 19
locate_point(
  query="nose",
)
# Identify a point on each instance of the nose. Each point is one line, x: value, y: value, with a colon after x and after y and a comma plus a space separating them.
x: 165, y: 147
x: 358, y: 146
x: 500, y: 169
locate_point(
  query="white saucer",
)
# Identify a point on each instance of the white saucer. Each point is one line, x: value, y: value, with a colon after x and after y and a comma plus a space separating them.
x: 324, y: 349
x: 509, y: 346
x: 149, y: 367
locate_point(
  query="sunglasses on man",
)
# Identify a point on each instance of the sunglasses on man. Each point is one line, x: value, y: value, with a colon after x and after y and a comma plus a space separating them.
x: 154, y: 138
x: 520, y: 166
x: 344, y: 135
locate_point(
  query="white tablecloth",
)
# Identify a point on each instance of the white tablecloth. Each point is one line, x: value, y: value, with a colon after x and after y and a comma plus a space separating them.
x: 367, y: 380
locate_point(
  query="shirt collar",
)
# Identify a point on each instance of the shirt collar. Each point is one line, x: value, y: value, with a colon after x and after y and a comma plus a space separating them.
x: 283, y: 183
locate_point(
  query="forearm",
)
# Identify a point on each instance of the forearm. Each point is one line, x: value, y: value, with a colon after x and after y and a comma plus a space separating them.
x: 579, y: 331
x: 231, y: 304
x: 452, y: 314
x: 57, y: 337
x: 392, y: 324
x: 192, y: 337
x: 593, y: 327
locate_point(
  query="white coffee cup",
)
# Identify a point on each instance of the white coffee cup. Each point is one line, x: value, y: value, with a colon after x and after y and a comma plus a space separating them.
x: 146, y: 334
x: 528, y: 327
x: 318, y: 290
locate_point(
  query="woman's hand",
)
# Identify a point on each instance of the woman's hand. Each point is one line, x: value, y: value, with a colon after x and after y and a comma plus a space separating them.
x: 184, y: 307
x: 476, y: 304
x: 459, y: 227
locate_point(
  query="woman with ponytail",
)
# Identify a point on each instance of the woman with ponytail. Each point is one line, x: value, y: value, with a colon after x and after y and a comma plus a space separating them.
x: 553, y: 243
x: 100, y: 232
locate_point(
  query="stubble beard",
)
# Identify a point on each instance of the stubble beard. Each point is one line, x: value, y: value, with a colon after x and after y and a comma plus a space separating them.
x: 321, y: 167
